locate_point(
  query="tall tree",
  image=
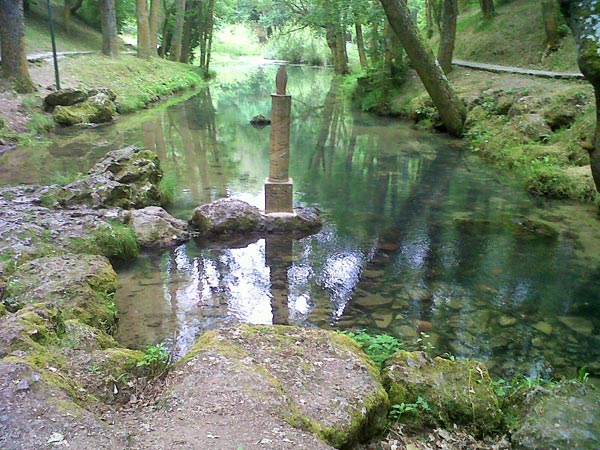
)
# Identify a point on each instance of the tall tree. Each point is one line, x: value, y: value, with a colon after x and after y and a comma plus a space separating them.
x: 108, y: 22
x: 154, y: 24
x: 71, y: 7
x: 206, y: 11
x: 451, y: 109
x: 143, y: 29
x: 550, y: 24
x: 487, y: 9
x: 448, y: 34
x: 175, y: 49
x: 12, y: 45
x: 583, y: 17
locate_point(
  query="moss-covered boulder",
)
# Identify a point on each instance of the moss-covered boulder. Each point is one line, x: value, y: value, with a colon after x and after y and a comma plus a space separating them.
x: 125, y: 178
x: 444, y: 392
x: 80, y: 286
x: 271, y: 387
x: 65, y: 97
x: 563, y: 416
x: 98, y: 108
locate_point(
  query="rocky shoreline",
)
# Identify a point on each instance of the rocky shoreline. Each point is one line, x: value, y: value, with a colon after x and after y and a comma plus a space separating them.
x: 65, y: 382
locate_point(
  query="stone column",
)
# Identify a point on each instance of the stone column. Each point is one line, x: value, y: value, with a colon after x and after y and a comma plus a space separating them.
x: 279, y: 186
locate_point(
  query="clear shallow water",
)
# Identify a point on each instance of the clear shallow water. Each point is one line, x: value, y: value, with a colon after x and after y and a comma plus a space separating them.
x: 417, y: 236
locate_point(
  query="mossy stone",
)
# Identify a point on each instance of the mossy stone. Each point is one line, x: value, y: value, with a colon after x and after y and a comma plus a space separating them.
x: 457, y: 392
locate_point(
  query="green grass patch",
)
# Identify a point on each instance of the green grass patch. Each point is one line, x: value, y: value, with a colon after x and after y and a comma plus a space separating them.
x: 378, y: 347
x: 113, y: 240
x: 137, y: 82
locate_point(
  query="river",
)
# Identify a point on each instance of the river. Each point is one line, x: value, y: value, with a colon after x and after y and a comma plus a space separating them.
x: 420, y: 239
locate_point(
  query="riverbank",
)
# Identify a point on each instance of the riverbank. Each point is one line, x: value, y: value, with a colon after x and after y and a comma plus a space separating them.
x: 137, y: 83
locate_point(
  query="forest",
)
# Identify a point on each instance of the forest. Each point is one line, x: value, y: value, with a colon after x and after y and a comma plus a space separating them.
x: 282, y: 224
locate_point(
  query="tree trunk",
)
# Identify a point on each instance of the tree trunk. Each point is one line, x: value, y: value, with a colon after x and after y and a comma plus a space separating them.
x: 175, y: 49
x: 143, y: 29
x: 360, y: 45
x: 550, y: 24
x: 429, y: 17
x: 71, y: 6
x: 188, y: 28
x: 446, y: 49
x: 337, y: 44
x: 154, y: 24
x: 108, y: 21
x: 206, y: 22
x: 582, y: 17
x: 487, y: 9
x: 449, y: 106
x: 12, y: 45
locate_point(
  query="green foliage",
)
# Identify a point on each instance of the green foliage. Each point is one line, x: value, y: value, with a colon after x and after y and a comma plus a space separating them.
x: 583, y: 374
x: 378, y: 347
x: 424, y: 342
x: 168, y: 187
x: 115, y: 240
x: 156, y: 359
x: 299, y: 46
x: 236, y: 40
x: 403, y: 408
x: 506, y: 390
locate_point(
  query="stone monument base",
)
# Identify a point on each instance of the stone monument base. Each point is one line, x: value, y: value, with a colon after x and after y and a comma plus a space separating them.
x: 279, y: 196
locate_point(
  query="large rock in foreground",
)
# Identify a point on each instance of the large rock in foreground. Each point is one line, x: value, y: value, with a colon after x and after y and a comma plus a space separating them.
x: 565, y: 416
x: 269, y: 387
x: 451, y: 392
x: 230, y: 216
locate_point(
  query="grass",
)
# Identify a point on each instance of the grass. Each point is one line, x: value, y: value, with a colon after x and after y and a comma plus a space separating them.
x: 137, y: 82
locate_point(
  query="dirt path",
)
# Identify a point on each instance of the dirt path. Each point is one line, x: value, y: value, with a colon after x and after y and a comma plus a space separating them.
x: 518, y: 70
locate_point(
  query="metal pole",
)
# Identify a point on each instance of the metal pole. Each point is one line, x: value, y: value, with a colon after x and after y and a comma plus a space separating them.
x: 53, y: 46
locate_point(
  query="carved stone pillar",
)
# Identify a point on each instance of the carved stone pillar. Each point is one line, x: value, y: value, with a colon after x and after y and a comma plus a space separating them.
x: 279, y: 186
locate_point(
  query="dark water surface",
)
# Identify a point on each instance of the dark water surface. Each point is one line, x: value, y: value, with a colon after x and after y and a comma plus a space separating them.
x: 417, y: 237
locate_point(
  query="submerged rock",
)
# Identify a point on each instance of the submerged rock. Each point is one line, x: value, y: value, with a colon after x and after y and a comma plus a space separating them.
x: 271, y: 387
x: 154, y: 227
x: 455, y: 392
x: 564, y: 416
x: 260, y: 121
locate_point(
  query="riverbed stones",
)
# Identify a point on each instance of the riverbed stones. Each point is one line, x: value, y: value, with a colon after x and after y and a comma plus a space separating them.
x: 456, y: 392
x: 270, y: 387
x: 543, y: 327
x: 564, y: 416
x: 580, y: 325
x: 154, y: 227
